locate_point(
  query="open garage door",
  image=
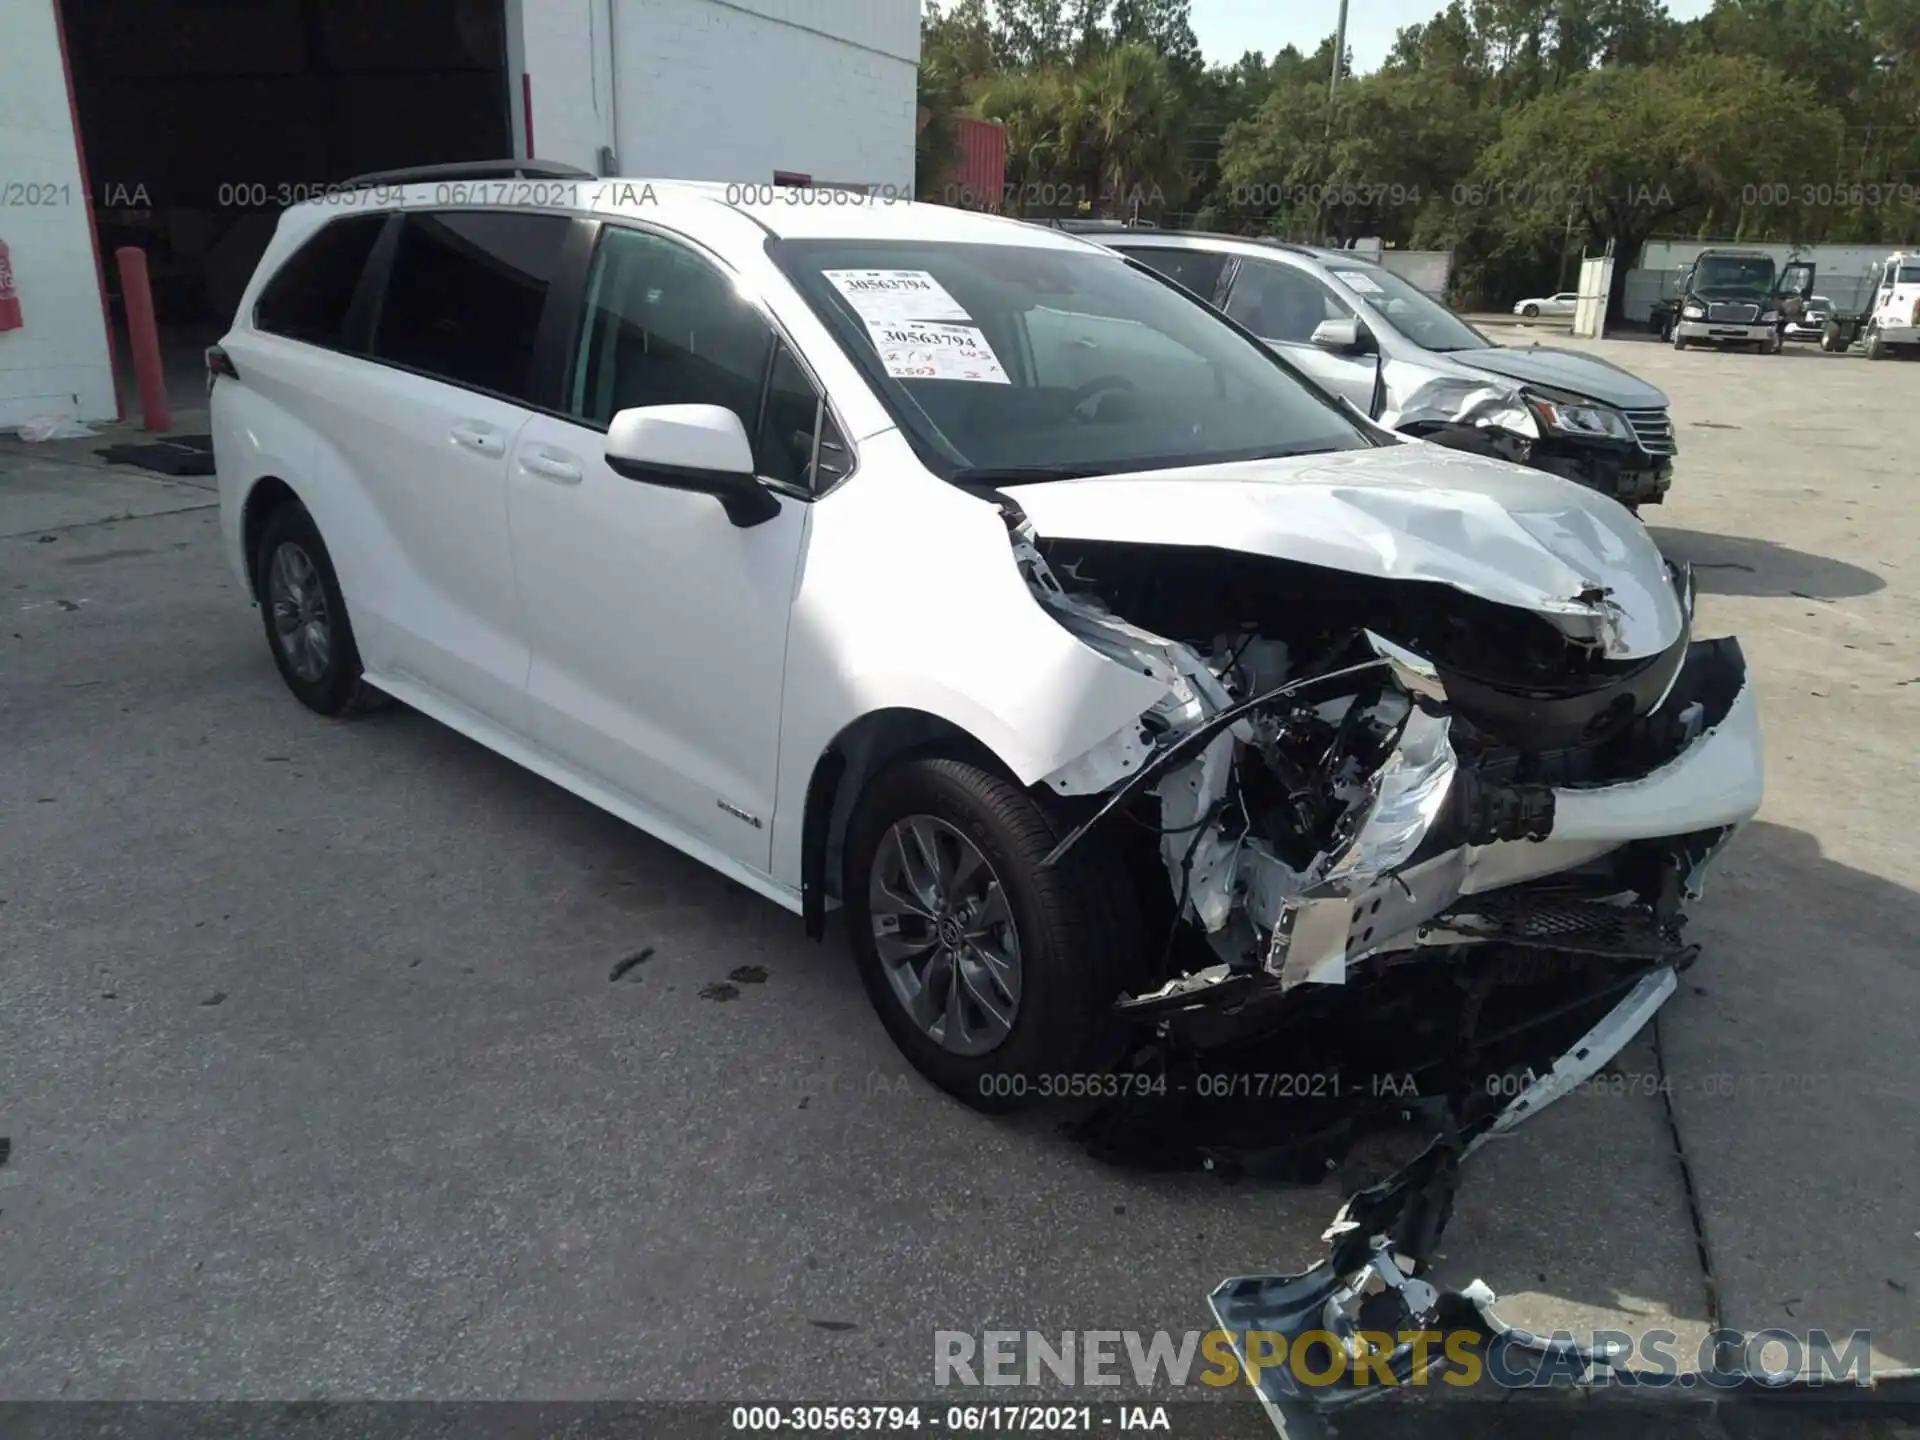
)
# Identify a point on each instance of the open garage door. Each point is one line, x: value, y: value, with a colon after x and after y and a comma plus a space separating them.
x: 203, y: 119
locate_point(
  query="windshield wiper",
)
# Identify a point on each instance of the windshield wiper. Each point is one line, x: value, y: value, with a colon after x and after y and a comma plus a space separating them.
x: 1018, y: 474
x: 1290, y: 452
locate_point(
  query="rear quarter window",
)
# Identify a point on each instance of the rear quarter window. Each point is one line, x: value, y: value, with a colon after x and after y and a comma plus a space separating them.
x: 1196, y: 270
x: 309, y: 296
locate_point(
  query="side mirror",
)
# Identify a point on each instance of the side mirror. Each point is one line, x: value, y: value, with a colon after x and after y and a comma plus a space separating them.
x: 703, y: 448
x: 1343, y: 337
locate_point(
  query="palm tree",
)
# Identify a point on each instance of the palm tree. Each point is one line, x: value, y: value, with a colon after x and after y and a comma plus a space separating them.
x: 1034, y: 106
x: 1125, y: 126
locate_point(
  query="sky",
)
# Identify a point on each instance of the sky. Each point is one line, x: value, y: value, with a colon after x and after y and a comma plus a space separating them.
x: 1229, y: 28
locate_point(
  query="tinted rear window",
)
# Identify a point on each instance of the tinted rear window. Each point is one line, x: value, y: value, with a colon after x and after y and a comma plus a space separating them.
x: 310, y: 296
x: 464, y: 298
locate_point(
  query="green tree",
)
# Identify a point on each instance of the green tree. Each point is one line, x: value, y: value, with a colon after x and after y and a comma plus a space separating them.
x: 957, y: 56
x: 1392, y: 145
x: 1125, y: 127
x: 1033, y: 34
x: 1036, y: 107
x: 1623, y: 150
x: 1163, y: 26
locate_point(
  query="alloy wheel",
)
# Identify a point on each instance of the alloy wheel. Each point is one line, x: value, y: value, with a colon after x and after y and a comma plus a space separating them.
x: 302, y: 625
x: 945, y: 934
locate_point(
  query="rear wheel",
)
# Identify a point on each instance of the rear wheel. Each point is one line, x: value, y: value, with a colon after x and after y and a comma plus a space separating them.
x: 995, y: 976
x: 306, y: 616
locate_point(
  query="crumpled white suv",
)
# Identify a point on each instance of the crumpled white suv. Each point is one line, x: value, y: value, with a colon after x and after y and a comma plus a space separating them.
x: 966, y: 577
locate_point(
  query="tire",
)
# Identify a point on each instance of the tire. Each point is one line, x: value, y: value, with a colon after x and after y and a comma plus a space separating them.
x: 1679, y: 340
x: 334, y: 685
x: 1076, y: 926
x: 1532, y: 312
x: 1876, y: 347
x: 1830, y: 342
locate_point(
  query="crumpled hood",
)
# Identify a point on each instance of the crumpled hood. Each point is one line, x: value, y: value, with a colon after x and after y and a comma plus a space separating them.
x: 1566, y: 370
x: 1410, y: 511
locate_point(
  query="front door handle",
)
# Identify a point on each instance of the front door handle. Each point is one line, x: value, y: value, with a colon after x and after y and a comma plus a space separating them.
x: 477, y: 437
x: 556, y: 468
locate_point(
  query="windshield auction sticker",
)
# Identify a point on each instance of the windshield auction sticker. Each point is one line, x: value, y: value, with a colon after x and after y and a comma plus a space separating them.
x: 896, y: 295
x: 929, y: 350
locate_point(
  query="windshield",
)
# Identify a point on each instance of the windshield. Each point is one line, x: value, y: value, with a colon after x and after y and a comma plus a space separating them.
x: 1750, y: 275
x: 1020, y: 362
x: 1410, y: 310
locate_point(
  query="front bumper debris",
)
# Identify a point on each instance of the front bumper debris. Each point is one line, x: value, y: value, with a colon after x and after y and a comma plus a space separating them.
x: 1486, y: 939
x: 1623, y: 471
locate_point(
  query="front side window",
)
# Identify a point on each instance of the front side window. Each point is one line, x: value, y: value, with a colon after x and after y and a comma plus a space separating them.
x: 663, y: 326
x: 465, y: 295
x: 1408, y: 309
x: 1278, y: 302
x: 1052, y: 362
x: 308, y: 299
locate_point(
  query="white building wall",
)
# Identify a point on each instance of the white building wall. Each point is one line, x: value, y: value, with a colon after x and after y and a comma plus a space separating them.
x: 737, y: 89
x: 704, y: 89
x: 58, y: 361
x: 561, y: 48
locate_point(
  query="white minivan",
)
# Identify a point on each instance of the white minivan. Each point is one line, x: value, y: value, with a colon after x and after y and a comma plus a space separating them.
x: 967, y: 578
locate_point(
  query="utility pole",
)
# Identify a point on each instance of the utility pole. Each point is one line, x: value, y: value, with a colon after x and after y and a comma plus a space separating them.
x: 1339, y: 60
x: 1333, y: 84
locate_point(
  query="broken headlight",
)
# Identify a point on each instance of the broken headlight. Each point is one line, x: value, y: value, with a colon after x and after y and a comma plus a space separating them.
x: 1581, y: 419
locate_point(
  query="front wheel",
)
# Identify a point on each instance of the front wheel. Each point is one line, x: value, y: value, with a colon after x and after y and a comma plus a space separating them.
x: 1876, y: 347
x: 1532, y: 312
x: 995, y: 977
x: 1679, y: 340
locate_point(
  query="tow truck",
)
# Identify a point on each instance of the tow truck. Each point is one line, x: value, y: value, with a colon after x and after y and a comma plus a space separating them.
x: 1733, y: 297
x: 1888, y: 325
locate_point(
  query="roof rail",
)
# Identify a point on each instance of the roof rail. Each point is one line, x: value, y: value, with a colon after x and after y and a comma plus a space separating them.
x: 472, y: 170
x: 1097, y: 227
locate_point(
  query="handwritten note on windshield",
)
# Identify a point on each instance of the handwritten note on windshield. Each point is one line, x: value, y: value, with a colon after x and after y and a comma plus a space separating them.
x: 930, y: 350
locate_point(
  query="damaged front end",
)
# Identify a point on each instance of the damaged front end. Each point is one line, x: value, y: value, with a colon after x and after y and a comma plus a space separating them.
x: 1354, y: 774
x: 1425, y: 857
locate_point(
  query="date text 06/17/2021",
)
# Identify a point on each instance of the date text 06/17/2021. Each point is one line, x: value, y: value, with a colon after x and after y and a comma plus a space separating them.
x: 952, y: 1419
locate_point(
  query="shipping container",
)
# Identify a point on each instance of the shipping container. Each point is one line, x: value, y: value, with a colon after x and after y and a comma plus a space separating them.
x: 978, y: 178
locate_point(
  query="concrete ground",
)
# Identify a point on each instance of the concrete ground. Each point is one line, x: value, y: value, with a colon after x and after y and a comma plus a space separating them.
x: 317, y: 1086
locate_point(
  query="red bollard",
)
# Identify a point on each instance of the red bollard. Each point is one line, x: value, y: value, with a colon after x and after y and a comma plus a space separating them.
x: 137, y: 292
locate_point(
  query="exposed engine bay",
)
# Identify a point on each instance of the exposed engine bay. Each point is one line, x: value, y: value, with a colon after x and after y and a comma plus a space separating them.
x: 1425, y: 855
